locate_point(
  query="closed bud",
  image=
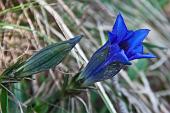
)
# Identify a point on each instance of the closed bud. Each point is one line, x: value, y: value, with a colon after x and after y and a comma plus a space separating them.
x: 47, y: 57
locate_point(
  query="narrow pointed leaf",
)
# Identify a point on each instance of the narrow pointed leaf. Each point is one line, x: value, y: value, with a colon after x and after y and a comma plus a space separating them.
x: 4, y: 101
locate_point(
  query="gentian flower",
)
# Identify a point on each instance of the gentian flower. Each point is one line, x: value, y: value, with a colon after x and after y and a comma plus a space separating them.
x: 123, y: 46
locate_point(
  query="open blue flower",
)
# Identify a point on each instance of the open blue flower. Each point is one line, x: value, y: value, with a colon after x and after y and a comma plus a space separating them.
x: 123, y: 45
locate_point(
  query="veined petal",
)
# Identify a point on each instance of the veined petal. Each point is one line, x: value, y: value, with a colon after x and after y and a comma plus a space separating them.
x: 96, y: 60
x: 108, y: 68
x: 112, y: 38
x: 128, y: 35
x: 137, y: 49
x: 139, y: 56
x: 124, y: 42
x: 104, y: 73
x: 136, y: 39
x: 118, y: 57
x: 114, y: 48
x: 119, y: 29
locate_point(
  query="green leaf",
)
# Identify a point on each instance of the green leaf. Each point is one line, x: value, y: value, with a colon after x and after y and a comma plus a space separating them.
x: 141, y: 64
x: 148, y: 45
x: 41, y: 107
x: 132, y: 73
x: 4, y: 101
x: 29, y: 109
x: 13, y: 104
x: 47, y: 57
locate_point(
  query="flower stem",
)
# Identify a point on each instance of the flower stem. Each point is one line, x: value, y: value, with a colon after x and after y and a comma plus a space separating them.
x: 105, y: 98
x: 101, y: 91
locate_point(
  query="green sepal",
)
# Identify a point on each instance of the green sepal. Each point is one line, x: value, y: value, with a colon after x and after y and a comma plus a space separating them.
x: 9, y: 71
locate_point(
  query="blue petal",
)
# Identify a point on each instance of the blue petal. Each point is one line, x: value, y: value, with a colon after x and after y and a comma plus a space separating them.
x: 124, y: 43
x: 119, y: 29
x: 118, y: 57
x: 139, y: 56
x: 113, y: 49
x: 104, y: 73
x: 96, y: 60
x: 108, y: 69
x: 137, y: 49
x: 112, y: 38
x: 128, y: 35
x: 137, y: 38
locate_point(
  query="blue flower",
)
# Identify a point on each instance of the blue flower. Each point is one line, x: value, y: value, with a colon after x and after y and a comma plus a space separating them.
x: 123, y: 45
